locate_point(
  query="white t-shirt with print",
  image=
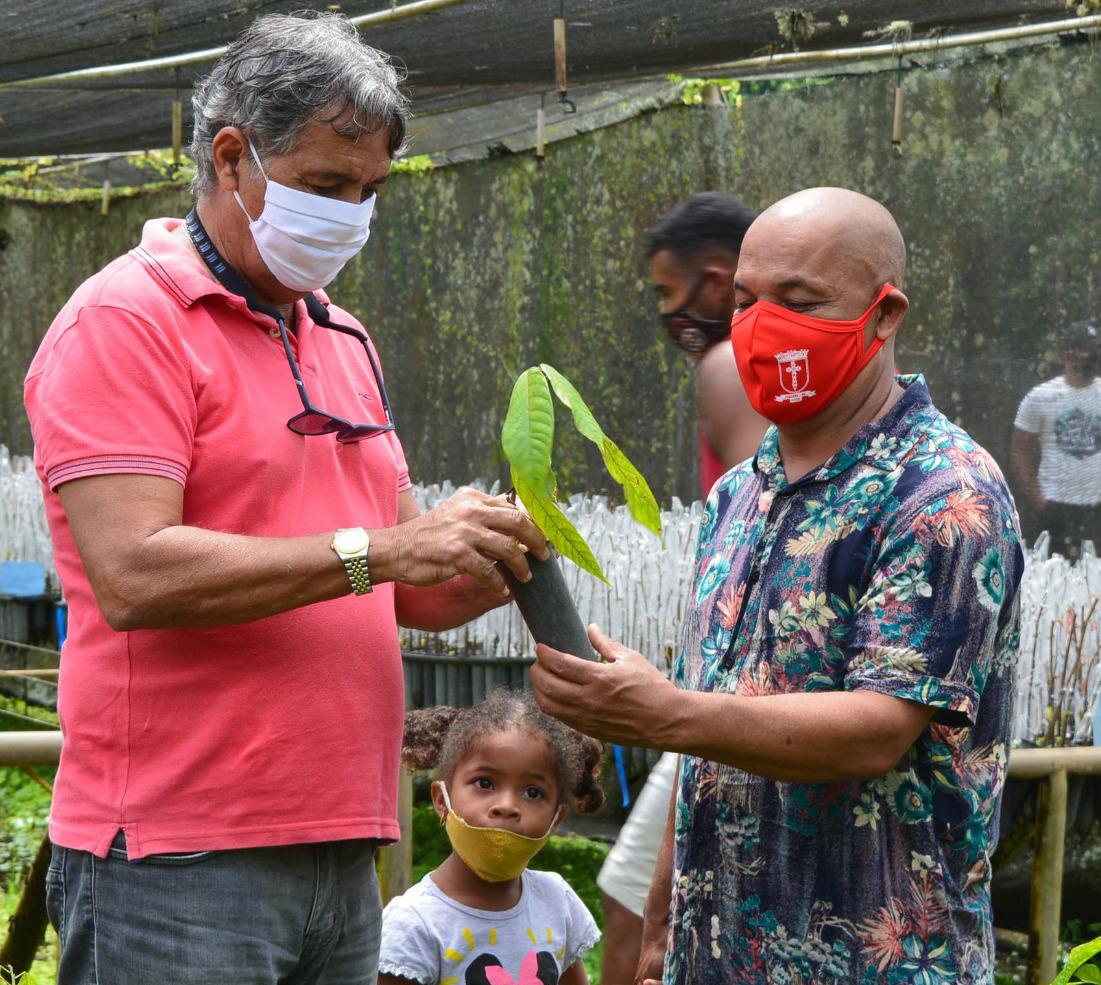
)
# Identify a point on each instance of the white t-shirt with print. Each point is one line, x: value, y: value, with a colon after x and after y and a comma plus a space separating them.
x: 430, y: 938
x: 1067, y: 421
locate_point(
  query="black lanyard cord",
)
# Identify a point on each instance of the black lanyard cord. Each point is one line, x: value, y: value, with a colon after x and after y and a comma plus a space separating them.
x: 233, y: 282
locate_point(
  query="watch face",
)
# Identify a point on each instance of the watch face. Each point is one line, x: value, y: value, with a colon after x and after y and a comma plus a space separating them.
x: 350, y: 541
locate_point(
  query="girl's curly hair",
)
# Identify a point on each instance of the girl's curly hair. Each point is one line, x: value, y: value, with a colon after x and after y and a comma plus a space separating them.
x: 442, y: 737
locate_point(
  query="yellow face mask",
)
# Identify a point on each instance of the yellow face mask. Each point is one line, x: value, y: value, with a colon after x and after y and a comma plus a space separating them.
x: 493, y: 854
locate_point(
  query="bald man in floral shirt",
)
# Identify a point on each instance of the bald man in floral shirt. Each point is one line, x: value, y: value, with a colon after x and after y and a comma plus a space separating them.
x: 842, y: 700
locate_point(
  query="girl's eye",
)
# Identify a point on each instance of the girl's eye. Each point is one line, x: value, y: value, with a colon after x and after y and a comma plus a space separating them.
x: 534, y: 793
x: 483, y: 783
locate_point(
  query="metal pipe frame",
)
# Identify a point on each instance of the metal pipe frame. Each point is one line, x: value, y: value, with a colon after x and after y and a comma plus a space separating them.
x: 1051, y: 766
x: 418, y: 7
x: 41, y: 748
x: 897, y: 49
x: 205, y: 55
x: 1046, y: 900
x: 1035, y: 764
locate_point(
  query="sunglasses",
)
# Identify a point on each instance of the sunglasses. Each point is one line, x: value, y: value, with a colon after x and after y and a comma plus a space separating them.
x: 313, y: 420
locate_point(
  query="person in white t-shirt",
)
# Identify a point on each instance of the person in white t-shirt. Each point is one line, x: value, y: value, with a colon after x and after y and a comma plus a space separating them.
x: 1056, y: 452
x: 508, y: 775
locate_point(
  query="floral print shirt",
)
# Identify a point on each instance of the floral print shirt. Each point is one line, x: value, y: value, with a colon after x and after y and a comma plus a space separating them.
x: 893, y: 568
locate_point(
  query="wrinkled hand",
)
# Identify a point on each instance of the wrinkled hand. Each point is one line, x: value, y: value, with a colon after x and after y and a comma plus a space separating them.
x: 467, y: 535
x: 651, y: 959
x: 625, y: 699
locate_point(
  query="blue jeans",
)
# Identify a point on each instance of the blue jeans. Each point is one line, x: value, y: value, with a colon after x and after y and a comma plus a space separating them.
x: 291, y: 915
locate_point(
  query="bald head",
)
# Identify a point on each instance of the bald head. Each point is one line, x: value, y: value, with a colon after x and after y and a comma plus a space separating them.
x: 827, y: 253
x: 851, y: 234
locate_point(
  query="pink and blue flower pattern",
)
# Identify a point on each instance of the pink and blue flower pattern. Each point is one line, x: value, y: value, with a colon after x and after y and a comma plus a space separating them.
x: 893, y: 568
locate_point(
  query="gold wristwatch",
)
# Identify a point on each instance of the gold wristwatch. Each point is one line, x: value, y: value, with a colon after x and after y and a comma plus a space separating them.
x: 351, y: 545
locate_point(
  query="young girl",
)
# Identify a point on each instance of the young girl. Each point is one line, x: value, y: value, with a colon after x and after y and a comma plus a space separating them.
x: 508, y: 774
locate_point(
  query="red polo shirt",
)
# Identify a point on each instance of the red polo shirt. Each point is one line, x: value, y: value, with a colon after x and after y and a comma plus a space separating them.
x: 280, y: 731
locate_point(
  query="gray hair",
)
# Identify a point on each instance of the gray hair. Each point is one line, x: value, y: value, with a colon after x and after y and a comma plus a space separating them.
x: 287, y: 70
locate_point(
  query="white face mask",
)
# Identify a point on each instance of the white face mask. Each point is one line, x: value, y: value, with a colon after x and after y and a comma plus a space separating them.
x: 304, y: 239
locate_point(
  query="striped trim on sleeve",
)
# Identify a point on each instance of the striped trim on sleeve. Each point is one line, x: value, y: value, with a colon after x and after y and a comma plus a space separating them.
x: 116, y: 465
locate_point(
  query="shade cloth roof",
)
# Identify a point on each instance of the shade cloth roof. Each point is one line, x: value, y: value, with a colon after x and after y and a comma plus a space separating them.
x: 470, y: 54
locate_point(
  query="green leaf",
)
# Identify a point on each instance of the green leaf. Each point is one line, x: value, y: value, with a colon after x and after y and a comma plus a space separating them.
x: 528, y: 433
x: 1089, y: 973
x: 557, y: 527
x: 582, y: 416
x: 640, y: 499
x: 1078, y: 957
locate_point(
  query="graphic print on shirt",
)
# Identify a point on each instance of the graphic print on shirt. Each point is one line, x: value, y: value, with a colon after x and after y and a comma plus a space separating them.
x: 1078, y: 434
x: 537, y: 968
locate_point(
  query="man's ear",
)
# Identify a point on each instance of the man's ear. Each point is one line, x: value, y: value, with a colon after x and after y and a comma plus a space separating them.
x: 718, y: 286
x: 438, y: 804
x: 720, y: 275
x: 229, y: 149
x: 892, y: 309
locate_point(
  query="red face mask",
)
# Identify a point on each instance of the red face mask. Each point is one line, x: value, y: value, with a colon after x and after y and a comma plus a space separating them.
x: 794, y: 365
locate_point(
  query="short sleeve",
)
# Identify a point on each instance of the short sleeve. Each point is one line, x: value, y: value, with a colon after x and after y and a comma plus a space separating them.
x: 113, y: 395
x: 942, y: 594
x: 583, y: 933
x: 408, y: 949
x: 1030, y: 414
x: 404, y: 482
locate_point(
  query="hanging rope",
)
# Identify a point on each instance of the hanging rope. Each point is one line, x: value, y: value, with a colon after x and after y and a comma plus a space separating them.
x: 900, y: 32
x: 177, y: 125
x: 560, y: 83
x: 541, y: 129
x: 896, y: 128
x: 105, y: 203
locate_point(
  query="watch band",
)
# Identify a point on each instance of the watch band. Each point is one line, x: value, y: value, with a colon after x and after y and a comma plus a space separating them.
x: 358, y: 574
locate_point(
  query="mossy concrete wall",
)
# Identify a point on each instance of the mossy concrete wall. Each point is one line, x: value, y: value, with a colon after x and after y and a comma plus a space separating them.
x: 477, y: 271
x: 46, y: 251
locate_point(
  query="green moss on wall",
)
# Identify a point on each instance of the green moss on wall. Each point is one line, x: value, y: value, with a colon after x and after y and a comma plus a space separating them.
x: 46, y: 251
x: 477, y: 271
x: 996, y: 192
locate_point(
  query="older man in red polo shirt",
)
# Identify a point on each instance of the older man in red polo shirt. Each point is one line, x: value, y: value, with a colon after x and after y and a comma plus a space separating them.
x: 236, y: 536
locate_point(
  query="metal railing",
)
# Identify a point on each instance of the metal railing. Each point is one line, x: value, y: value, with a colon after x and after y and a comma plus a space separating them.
x: 30, y: 748
x: 1049, y: 766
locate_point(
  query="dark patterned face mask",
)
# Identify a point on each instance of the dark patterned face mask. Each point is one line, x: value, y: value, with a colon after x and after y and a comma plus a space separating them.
x: 691, y: 332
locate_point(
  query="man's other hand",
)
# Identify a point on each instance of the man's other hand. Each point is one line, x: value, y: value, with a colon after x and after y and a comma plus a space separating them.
x: 651, y: 959
x: 624, y: 699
